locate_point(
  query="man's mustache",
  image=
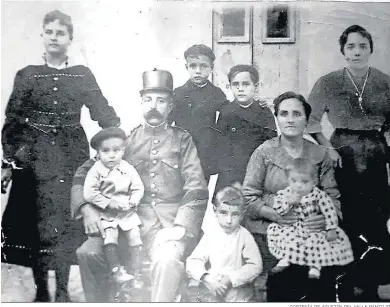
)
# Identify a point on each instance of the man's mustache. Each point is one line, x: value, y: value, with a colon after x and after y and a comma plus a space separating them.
x: 154, y: 114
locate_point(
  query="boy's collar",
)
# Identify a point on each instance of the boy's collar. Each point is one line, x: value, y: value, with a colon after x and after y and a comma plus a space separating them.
x: 103, y: 170
x: 192, y: 85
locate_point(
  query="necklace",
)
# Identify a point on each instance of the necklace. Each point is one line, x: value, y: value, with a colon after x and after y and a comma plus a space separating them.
x: 359, y: 94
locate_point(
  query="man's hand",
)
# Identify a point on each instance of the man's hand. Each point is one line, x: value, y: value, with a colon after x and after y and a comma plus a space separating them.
x: 91, y: 218
x: 170, y: 234
x: 215, y: 284
x: 315, y: 223
x: 331, y: 235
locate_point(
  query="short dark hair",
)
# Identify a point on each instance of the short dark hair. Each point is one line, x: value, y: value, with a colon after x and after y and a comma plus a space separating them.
x: 230, y: 196
x: 244, y: 68
x: 303, y: 166
x: 63, y: 19
x: 355, y: 29
x: 288, y: 95
x: 196, y: 50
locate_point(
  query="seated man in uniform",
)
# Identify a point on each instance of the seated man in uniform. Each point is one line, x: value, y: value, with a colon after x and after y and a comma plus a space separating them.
x: 173, y: 205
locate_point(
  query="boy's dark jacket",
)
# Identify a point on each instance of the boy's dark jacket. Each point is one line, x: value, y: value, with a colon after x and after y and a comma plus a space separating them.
x: 195, y: 111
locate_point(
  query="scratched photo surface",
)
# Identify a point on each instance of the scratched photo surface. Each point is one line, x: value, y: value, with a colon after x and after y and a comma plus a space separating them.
x: 119, y: 40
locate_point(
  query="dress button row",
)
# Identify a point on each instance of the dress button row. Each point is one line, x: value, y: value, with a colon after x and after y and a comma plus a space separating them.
x: 55, y: 89
x: 154, y: 151
x: 152, y: 185
x: 152, y: 175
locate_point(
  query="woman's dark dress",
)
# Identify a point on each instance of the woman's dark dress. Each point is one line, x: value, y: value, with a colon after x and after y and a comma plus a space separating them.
x: 363, y: 180
x: 42, y: 132
x: 242, y: 131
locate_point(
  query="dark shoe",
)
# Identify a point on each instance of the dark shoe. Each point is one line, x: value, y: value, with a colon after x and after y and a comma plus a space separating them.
x: 62, y: 296
x: 42, y: 297
x: 119, y: 275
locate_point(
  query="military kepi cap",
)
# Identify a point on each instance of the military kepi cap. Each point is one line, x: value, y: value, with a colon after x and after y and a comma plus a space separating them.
x: 104, y: 134
x: 157, y: 80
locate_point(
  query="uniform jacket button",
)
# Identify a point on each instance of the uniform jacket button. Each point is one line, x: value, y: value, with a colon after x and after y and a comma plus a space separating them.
x: 156, y: 141
x: 55, y: 78
x: 152, y: 185
x: 154, y: 161
x: 55, y: 89
x: 152, y: 174
x: 55, y: 102
x: 54, y: 130
x: 153, y: 195
x: 154, y: 151
x: 52, y: 143
x: 234, y: 129
x: 153, y: 203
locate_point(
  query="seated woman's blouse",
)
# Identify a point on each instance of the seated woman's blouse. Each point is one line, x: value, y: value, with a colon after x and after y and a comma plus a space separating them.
x: 335, y: 94
x: 266, y: 175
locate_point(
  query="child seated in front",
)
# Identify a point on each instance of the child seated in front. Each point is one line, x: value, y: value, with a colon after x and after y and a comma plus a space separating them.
x: 295, y: 244
x: 224, y: 264
x: 114, y: 186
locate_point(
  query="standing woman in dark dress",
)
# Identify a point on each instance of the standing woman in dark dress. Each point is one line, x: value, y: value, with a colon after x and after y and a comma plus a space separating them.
x: 357, y: 100
x: 244, y: 124
x: 43, y: 144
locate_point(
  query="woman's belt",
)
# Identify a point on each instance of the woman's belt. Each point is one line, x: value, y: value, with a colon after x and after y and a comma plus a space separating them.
x: 52, y: 120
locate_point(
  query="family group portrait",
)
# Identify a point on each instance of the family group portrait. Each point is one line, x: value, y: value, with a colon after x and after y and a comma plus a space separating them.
x: 195, y: 151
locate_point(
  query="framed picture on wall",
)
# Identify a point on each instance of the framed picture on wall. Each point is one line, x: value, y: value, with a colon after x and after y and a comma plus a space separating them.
x: 233, y: 24
x: 278, y: 24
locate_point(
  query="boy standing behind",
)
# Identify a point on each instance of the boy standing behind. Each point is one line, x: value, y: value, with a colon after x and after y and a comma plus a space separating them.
x: 196, y: 103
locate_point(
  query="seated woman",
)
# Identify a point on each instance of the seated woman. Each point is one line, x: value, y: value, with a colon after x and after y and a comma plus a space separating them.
x: 265, y: 176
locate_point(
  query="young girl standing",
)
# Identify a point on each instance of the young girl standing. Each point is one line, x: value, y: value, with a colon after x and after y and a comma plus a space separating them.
x: 43, y: 144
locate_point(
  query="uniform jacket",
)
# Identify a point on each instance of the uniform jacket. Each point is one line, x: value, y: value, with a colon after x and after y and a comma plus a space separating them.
x: 167, y: 161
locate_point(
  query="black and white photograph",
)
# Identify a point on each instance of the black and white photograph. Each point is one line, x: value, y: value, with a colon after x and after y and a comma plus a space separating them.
x: 183, y: 151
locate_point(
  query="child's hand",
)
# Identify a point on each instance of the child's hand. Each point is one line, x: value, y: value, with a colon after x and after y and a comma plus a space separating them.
x: 114, y: 206
x: 226, y: 281
x: 331, y: 235
x: 294, y: 198
x: 214, y: 285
